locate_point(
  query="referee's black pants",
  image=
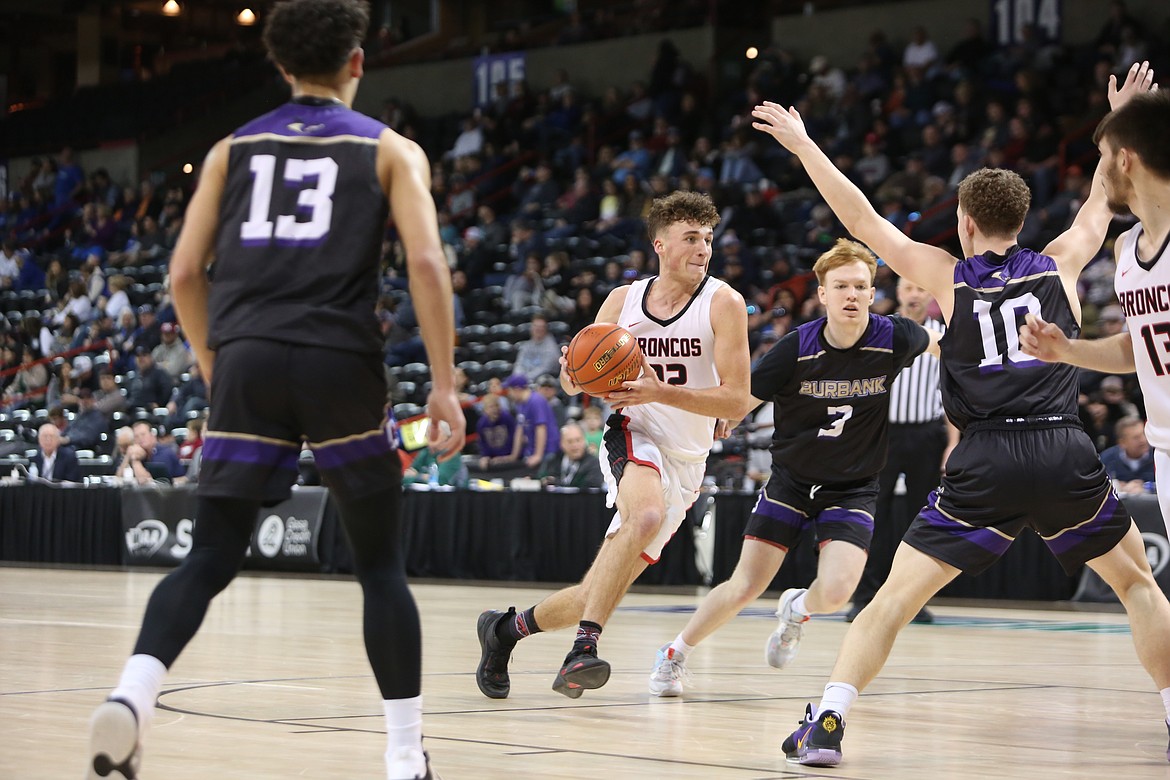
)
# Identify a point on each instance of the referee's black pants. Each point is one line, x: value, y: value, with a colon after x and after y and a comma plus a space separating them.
x: 916, y: 450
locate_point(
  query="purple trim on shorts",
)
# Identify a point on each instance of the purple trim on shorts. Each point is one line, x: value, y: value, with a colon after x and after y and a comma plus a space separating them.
x: 774, y: 511
x: 981, y: 537
x: 1073, y: 537
x: 843, y: 515
x: 259, y: 453
x: 335, y: 456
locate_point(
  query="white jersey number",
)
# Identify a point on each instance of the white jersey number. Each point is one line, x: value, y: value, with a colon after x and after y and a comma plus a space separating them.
x: 314, y: 202
x: 1006, y: 318
x: 839, y: 415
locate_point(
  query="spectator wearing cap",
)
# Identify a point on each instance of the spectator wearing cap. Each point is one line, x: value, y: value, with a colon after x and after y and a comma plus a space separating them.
x: 476, y: 257
x: 151, y: 385
x: 549, y: 386
x: 188, y: 397
x: 108, y: 398
x: 172, y: 355
x: 540, y: 354
x: 53, y: 460
x: 149, y: 331
x: 1130, y: 462
x: 85, y: 430
x: 536, y: 427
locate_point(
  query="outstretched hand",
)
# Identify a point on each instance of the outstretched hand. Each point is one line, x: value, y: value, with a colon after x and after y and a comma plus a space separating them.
x: 785, y: 125
x: 1043, y: 340
x: 1139, y: 80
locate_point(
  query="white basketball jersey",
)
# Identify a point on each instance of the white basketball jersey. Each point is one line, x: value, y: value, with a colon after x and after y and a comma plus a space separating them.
x: 1143, y: 289
x: 682, y: 351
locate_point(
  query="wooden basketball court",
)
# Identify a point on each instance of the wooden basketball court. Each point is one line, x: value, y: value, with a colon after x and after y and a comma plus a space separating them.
x: 276, y: 686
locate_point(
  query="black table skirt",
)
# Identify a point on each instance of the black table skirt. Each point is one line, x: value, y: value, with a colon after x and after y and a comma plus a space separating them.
x: 523, y: 537
x: 61, y: 525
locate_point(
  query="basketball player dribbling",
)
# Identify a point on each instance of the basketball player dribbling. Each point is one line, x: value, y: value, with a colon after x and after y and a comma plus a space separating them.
x: 1024, y: 461
x: 692, y: 330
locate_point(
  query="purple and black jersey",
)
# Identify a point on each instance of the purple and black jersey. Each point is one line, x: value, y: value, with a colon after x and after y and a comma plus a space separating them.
x: 833, y: 405
x: 985, y: 375
x: 285, y: 270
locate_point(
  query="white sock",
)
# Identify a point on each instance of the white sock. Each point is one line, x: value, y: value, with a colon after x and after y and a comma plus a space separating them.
x: 681, y: 647
x: 1166, y: 702
x: 142, y: 679
x: 799, y: 608
x: 404, y: 756
x: 838, y: 697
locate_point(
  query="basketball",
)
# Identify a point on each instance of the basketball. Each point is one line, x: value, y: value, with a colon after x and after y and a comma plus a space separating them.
x: 602, y: 356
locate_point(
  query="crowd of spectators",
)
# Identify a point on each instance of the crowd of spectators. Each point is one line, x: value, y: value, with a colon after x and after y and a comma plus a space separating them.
x: 541, y: 198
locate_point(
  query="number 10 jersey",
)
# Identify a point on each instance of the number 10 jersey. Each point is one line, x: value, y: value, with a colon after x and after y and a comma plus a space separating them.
x: 1143, y: 289
x: 985, y: 375
x: 300, y: 230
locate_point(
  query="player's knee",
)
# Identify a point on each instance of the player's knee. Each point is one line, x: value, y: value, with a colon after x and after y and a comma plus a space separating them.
x: 745, y: 590
x: 836, y: 592
x: 645, y: 523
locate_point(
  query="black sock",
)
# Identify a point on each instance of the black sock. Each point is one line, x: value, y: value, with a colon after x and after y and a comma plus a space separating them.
x: 587, y: 633
x: 517, y: 625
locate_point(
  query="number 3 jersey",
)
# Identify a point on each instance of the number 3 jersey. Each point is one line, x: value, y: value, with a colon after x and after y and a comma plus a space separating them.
x: 1143, y: 289
x: 682, y: 351
x: 300, y: 230
x: 833, y: 405
x: 985, y: 375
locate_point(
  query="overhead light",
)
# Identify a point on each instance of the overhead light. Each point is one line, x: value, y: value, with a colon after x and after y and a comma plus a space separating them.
x: 246, y: 18
x: 171, y: 8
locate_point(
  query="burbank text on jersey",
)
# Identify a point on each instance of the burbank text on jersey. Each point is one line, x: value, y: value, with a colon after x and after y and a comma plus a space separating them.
x: 843, y: 388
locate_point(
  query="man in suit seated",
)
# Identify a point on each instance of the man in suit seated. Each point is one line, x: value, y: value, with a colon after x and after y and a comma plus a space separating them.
x: 573, y: 466
x: 53, y: 461
x: 1130, y: 462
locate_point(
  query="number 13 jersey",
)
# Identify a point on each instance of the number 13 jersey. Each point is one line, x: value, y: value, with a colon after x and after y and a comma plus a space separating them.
x: 985, y: 375
x: 285, y: 269
x: 1143, y: 289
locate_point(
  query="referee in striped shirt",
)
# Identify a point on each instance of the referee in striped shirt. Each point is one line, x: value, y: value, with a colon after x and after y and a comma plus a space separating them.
x: 920, y: 437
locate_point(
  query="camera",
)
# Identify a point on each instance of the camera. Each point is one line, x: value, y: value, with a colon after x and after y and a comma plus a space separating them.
x: 751, y: 309
x: 780, y: 311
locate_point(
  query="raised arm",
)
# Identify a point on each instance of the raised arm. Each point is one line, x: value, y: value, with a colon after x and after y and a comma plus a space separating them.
x: 731, y: 399
x: 925, y: 265
x: 406, y: 176
x: 1075, y: 247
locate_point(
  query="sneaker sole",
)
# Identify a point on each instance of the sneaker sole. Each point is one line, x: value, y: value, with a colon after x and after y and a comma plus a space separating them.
x: 665, y: 693
x: 113, y: 743
x: 814, y: 757
x: 481, y: 628
x: 574, y: 682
